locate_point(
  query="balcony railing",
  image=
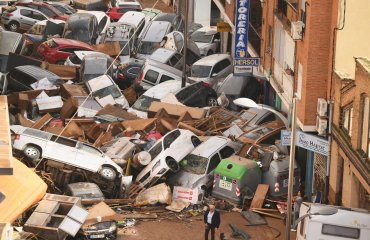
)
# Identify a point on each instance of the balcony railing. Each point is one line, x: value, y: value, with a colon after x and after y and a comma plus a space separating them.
x: 287, y: 11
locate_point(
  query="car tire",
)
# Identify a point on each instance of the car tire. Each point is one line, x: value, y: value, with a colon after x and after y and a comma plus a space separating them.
x: 108, y: 173
x: 13, y: 26
x: 32, y: 152
x: 172, y: 164
x: 211, y: 101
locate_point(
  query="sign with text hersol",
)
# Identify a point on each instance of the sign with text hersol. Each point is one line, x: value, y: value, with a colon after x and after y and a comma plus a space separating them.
x: 306, y: 141
x: 242, y: 64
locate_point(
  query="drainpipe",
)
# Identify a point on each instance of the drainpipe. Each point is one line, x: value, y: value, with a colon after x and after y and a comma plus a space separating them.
x: 328, y: 159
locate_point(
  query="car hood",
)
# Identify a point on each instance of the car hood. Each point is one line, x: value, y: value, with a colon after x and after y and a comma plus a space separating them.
x: 186, y: 179
x: 202, y: 46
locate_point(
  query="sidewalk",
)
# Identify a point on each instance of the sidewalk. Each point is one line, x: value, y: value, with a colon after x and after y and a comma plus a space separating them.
x: 160, y: 5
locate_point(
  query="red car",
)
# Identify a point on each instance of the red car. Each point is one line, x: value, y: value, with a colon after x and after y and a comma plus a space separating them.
x: 117, y: 12
x: 47, y: 9
x: 57, y: 50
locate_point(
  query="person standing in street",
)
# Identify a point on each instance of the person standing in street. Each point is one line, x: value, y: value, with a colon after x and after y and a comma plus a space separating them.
x: 212, y: 222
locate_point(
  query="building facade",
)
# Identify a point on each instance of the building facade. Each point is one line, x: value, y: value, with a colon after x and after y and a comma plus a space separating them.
x: 350, y: 161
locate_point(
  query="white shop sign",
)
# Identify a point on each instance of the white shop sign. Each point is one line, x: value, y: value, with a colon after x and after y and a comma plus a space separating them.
x: 306, y: 141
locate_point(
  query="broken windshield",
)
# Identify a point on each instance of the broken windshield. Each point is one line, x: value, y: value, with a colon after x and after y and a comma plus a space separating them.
x: 143, y: 103
x: 194, y: 164
x: 200, y: 71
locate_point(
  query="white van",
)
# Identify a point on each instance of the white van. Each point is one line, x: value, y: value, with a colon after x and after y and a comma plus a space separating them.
x: 346, y: 224
x: 154, y: 73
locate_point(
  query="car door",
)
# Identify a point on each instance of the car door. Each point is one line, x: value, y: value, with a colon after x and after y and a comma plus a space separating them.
x: 26, y: 20
x: 62, y: 150
x: 212, y: 164
x: 88, y: 157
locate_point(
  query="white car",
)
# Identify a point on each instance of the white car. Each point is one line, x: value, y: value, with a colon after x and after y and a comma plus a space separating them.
x: 166, y: 154
x: 75, y: 59
x: 154, y: 94
x: 197, y: 167
x: 207, y: 39
x: 211, y: 69
x: 103, y: 22
x: 36, y: 144
x: 106, y: 91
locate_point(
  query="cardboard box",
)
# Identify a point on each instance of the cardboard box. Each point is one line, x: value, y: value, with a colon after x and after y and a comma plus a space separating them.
x: 176, y: 110
x: 71, y: 90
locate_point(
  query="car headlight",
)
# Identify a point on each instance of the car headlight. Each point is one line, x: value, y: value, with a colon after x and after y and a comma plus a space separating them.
x: 113, y: 227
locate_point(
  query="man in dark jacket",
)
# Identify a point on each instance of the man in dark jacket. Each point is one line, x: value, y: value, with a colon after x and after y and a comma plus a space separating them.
x: 212, y: 222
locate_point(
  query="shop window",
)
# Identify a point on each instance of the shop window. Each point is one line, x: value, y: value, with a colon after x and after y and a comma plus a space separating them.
x: 364, y: 130
x: 346, y: 119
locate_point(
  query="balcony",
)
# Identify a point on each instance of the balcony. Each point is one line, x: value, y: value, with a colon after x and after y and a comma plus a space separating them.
x: 287, y: 12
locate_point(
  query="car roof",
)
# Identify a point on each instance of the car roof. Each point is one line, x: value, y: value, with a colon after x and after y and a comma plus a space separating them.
x: 162, y: 54
x: 70, y: 42
x: 210, y: 29
x: 164, y: 67
x: 36, y: 72
x: 210, y: 146
x: 132, y: 17
x: 162, y: 89
x: 153, y: 32
x: 211, y: 60
x: 167, y: 17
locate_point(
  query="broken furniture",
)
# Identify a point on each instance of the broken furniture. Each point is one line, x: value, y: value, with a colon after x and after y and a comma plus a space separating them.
x: 56, y: 217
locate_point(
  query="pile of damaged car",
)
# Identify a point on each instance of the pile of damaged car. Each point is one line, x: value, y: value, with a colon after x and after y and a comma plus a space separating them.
x: 114, y: 118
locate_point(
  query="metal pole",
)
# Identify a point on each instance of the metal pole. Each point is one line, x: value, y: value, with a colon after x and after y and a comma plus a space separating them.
x: 291, y: 170
x: 185, y: 50
x: 328, y: 159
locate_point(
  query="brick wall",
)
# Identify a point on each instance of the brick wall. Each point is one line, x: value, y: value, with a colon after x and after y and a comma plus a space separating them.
x: 230, y: 10
x: 314, y: 55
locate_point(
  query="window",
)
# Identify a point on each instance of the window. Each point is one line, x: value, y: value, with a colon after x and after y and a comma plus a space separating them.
x: 26, y: 13
x: 151, y: 76
x: 63, y: 141
x: 339, y: 231
x: 226, y: 152
x: 36, y: 133
x: 170, y: 138
x: 215, y: 160
x: 102, y: 24
x: 155, y: 150
x: 38, y: 16
x: 347, y: 115
x: 89, y: 149
x: 47, y: 11
x: 365, y: 126
x: 175, y: 59
x: 165, y: 78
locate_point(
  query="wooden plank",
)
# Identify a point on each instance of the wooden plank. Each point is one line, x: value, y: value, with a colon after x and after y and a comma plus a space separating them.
x: 6, y: 156
x: 269, y: 214
x: 177, y: 110
x: 42, y: 121
x: 259, y: 196
x: 139, y: 216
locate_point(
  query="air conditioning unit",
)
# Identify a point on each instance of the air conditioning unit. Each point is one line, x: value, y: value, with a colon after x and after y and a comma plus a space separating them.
x: 321, y: 125
x: 322, y: 107
x: 296, y: 30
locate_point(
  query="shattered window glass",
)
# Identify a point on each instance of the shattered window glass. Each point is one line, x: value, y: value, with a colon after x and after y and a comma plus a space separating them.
x: 194, y: 164
x: 143, y: 103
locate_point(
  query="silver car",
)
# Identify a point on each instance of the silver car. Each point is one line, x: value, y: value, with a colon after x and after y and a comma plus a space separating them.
x: 207, y: 39
x: 21, y: 18
x: 211, y: 69
x: 36, y: 144
x: 196, y: 169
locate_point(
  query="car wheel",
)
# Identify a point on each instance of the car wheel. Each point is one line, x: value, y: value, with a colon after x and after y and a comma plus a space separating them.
x: 32, y: 152
x: 13, y: 26
x: 108, y: 173
x: 172, y: 164
x: 212, y: 101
